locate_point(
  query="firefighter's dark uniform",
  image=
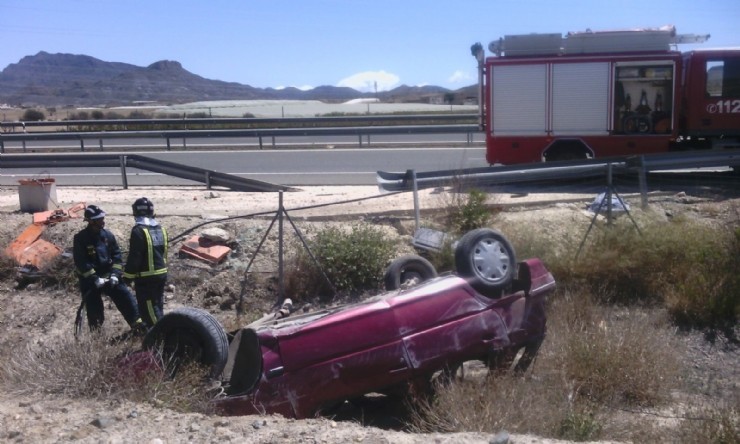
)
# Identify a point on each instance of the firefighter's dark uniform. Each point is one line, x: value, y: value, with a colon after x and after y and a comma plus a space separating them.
x: 146, y: 265
x: 97, y: 255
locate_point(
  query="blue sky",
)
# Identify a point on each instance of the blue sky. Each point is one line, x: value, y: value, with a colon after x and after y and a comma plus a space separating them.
x: 308, y: 43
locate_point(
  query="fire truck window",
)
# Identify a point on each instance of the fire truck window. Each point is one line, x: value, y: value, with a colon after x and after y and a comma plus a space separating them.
x: 715, y: 70
x: 642, y: 99
x: 731, y: 78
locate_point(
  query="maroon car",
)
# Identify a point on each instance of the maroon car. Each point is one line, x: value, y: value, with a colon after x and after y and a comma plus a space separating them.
x: 489, y: 310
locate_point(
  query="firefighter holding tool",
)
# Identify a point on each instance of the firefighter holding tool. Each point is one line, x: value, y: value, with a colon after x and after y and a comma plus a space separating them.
x: 99, y: 265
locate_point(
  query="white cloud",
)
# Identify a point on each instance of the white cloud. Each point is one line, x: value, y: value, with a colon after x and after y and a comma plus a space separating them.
x: 366, y: 81
x: 459, y: 77
x: 302, y: 88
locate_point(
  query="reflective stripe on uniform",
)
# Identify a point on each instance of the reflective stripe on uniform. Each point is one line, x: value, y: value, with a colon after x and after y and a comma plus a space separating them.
x: 150, y: 256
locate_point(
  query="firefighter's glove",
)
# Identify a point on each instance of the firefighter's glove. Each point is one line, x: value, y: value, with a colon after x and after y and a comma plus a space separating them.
x: 113, y: 280
x: 99, y: 282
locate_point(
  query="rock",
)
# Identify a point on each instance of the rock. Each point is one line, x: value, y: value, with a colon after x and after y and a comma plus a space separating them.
x: 103, y: 422
x: 216, y: 234
x: 501, y: 437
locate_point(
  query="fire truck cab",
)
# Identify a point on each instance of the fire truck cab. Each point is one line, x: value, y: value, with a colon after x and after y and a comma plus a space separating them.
x: 546, y: 97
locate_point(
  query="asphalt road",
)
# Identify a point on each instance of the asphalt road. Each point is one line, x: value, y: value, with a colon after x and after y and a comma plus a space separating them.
x: 294, y: 167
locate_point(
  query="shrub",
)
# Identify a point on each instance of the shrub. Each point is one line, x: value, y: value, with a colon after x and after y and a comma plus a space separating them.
x: 687, y: 267
x: 465, y: 212
x: 579, y: 426
x: 712, y: 425
x: 32, y: 115
x: 353, y: 260
x: 708, y: 295
x: 609, y: 355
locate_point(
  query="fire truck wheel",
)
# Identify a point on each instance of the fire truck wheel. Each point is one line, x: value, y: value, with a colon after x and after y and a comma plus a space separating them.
x: 405, y: 269
x: 189, y: 335
x: 486, y: 258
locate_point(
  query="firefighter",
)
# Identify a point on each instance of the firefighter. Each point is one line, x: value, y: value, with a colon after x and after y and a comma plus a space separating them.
x: 146, y: 264
x: 99, y: 264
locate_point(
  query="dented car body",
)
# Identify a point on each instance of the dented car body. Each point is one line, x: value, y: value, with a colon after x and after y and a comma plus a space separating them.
x: 492, y: 309
x: 297, y: 366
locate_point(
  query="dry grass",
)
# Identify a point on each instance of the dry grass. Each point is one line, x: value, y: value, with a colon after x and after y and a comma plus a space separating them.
x: 92, y: 368
x: 596, y: 360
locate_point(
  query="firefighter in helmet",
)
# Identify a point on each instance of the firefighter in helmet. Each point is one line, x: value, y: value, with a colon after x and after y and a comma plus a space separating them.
x: 99, y: 264
x: 146, y: 264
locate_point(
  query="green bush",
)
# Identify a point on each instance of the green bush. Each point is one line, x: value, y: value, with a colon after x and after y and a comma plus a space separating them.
x: 353, y: 260
x: 579, y: 426
x: 32, y: 115
x: 687, y: 267
x: 469, y: 213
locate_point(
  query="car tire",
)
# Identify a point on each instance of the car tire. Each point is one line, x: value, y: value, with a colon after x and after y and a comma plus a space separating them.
x: 486, y: 258
x: 189, y: 334
x: 406, y: 268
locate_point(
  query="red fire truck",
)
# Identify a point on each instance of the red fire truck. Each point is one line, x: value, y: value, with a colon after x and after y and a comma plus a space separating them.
x: 546, y: 97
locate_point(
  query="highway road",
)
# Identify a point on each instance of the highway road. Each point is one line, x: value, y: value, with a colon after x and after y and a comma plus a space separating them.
x: 293, y: 167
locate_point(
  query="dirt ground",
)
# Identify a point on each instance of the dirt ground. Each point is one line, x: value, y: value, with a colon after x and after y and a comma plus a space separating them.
x: 33, y: 314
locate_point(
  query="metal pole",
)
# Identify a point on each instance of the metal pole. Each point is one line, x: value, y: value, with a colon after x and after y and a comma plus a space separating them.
x: 417, y: 215
x: 208, y: 179
x: 260, y: 138
x: 281, y: 277
x: 168, y: 144
x: 124, y: 179
x: 642, y: 175
x: 101, y: 144
x: 608, y: 194
x: 184, y: 143
x: 360, y: 137
x: 82, y: 144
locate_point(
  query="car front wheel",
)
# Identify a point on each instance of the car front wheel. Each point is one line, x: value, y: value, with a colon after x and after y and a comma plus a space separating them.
x: 486, y: 258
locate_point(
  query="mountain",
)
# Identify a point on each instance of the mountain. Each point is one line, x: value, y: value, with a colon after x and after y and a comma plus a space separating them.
x: 78, y: 80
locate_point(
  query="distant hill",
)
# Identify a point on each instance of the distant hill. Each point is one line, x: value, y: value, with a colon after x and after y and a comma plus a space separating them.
x: 78, y: 80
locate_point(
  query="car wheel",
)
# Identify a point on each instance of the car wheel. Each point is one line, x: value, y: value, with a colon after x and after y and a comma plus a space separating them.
x: 486, y: 258
x: 189, y: 335
x: 406, y: 269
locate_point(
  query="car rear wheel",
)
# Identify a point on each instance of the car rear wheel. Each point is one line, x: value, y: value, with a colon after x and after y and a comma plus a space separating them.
x: 406, y: 270
x: 188, y: 335
x: 486, y: 258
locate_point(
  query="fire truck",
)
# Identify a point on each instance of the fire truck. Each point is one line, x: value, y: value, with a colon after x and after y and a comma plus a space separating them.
x: 547, y: 97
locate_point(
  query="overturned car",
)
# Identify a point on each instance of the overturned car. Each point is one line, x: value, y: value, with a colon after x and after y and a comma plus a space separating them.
x: 492, y: 310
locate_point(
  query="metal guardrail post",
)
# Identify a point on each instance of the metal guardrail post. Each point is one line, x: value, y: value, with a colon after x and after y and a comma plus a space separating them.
x: 642, y: 176
x: 184, y: 143
x: 281, y: 280
x: 124, y: 179
x: 168, y: 144
x: 100, y: 141
x: 260, y: 139
x: 608, y: 195
x: 2, y: 145
x: 82, y: 144
x: 360, y: 140
x: 208, y: 179
x: 24, y: 146
x: 417, y: 213
x: 274, y: 145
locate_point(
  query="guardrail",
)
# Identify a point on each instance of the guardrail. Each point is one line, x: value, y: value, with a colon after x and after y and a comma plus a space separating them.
x: 499, y: 175
x: 430, y: 119
x: 260, y: 134
x: 208, y: 177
